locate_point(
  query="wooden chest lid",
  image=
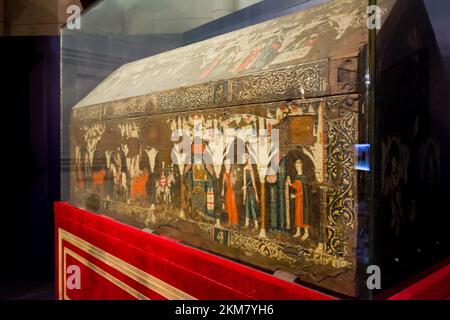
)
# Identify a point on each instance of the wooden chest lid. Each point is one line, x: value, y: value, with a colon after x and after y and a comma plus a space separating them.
x: 284, y: 58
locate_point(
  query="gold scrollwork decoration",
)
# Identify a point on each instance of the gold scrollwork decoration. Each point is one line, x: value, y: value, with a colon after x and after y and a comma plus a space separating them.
x: 184, y: 98
x: 131, y: 106
x: 299, y: 81
x: 92, y: 113
x: 341, y: 137
x: 263, y: 247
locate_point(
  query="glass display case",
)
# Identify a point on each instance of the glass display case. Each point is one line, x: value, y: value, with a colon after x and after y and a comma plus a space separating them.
x: 281, y: 134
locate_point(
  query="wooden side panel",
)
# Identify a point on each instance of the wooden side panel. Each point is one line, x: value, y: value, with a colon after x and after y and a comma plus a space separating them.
x: 300, y: 217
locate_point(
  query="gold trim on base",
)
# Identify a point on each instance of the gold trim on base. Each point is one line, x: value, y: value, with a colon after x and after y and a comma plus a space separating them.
x: 160, y: 287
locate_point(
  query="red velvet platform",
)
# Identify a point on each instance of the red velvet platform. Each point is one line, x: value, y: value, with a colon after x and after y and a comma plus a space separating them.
x: 117, y: 261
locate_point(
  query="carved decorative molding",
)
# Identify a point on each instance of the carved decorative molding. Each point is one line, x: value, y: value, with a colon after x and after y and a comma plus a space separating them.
x: 341, y: 134
x: 300, y: 81
x: 293, y: 82
x: 184, y: 98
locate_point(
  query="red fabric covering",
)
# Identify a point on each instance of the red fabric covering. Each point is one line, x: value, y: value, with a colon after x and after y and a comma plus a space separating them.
x: 117, y: 261
x: 435, y: 286
x: 185, y: 270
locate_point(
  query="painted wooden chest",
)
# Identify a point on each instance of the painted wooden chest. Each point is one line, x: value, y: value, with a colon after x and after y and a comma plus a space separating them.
x: 261, y: 145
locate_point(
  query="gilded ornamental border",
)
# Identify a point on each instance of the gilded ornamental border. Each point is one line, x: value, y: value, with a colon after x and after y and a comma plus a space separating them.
x: 298, y: 81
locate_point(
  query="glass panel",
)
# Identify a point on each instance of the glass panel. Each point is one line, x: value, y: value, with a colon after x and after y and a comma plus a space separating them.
x: 409, y: 125
x: 240, y: 127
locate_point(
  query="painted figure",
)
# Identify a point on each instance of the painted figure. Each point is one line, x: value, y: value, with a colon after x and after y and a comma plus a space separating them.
x: 261, y: 55
x: 272, y: 202
x: 174, y: 186
x: 98, y: 179
x: 218, y: 65
x: 152, y: 181
x: 138, y: 186
x: 281, y: 194
x: 116, y: 172
x: 109, y: 178
x: 301, y: 203
x: 212, y: 194
x: 79, y: 168
x: 230, y: 197
x: 188, y: 181
x: 210, y: 203
x: 163, y: 188
x: 199, y: 187
x: 250, y: 194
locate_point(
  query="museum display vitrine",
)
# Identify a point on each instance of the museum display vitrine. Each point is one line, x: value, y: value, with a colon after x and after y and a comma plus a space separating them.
x: 285, y: 144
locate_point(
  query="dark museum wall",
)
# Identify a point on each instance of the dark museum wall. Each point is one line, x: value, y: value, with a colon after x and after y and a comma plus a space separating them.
x: 30, y: 72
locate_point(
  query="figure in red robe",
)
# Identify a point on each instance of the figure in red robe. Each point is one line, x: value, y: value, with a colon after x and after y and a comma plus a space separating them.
x: 230, y: 198
x: 301, y: 203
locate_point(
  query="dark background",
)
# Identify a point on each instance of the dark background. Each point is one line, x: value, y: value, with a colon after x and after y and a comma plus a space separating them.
x: 30, y: 156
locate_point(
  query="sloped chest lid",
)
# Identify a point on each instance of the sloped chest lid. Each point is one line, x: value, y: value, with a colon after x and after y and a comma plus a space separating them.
x: 294, y: 39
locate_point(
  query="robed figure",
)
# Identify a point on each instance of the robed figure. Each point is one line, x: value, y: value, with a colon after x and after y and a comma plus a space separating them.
x: 251, y: 199
x: 230, y: 197
x: 300, y: 196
